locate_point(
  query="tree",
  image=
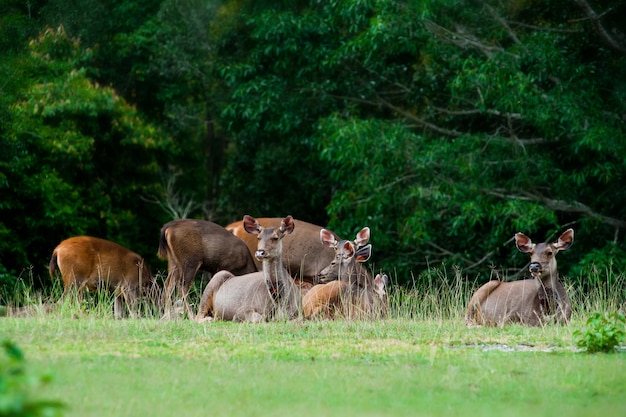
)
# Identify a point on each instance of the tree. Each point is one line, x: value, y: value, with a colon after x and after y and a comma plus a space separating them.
x: 76, y: 159
x: 510, y: 123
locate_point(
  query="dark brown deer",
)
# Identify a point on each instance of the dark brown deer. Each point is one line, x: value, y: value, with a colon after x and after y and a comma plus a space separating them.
x: 259, y: 296
x: 91, y: 263
x: 348, y: 290
x: 191, y: 245
x: 532, y: 302
x: 302, y: 254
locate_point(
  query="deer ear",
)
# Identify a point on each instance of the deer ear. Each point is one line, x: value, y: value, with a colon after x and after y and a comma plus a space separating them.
x: 348, y: 250
x: 328, y: 239
x: 565, y: 240
x: 287, y: 225
x: 523, y: 243
x: 380, y: 282
x: 251, y: 225
x: 362, y: 237
x: 364, y: 253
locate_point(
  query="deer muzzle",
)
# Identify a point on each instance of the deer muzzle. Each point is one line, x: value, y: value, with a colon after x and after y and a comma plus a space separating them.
x: 535, y: 269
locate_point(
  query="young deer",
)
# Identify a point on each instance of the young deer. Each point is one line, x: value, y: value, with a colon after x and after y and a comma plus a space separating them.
x: 258, y: 296
x: 532, y: 302
x: 348, y: 290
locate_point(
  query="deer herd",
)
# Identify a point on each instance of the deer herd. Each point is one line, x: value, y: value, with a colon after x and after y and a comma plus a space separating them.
x: 270, y: 269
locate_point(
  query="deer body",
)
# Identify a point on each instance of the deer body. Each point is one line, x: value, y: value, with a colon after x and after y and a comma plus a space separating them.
x: 532, y: 302
x: 348, y: 290
x: 190, y: 245
x: 303, y: 256
x: 259, y: 296
x: 87, y: 262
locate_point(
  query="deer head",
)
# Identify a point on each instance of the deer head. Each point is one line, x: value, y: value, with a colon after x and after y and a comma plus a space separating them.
x: 543, y: 255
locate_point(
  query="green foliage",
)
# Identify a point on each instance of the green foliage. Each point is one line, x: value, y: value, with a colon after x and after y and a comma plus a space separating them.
x: 17, y: 387
x: 77, y: 159
x: 604, y: 332
x: 444, y: 126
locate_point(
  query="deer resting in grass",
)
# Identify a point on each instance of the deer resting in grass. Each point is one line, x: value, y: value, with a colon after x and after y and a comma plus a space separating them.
x: 532, y: 302
x: 302, y: 254
x: 348, y: 290
x: 259, y: 296
x: 91, y: 263
x: 190, y: 245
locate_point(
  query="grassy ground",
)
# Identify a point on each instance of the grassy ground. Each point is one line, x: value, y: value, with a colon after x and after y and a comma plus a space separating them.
x: 422, y: 361
x: 398, y: 367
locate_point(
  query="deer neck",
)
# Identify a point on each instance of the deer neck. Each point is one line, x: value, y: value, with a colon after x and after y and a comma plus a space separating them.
x: 274, y: 271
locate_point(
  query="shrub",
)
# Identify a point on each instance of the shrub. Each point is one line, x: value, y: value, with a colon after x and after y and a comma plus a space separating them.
x: 604, y: 332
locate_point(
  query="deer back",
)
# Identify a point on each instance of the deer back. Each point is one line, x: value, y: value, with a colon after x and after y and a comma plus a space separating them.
x: 91, y: 262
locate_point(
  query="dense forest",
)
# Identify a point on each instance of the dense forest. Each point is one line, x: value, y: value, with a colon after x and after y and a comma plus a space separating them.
x: 444, y: 125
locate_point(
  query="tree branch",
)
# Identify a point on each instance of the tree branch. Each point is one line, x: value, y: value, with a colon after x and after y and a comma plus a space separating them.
x: 561, y: 205
x: 597, y: 24
x: 464, y: 40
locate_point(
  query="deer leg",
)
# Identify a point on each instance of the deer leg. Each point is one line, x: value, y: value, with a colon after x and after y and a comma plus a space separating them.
x: 474, y: 314
x: 205, y: 308
x: 168, y: 290
x: 118, y: 304
x: 250, y: 316
x: 189, y: 273
x: 131, y: 298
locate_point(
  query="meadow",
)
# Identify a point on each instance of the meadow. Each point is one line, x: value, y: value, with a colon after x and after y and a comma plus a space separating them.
x: 421, y: 361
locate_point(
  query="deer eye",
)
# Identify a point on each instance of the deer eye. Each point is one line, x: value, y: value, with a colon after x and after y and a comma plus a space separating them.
x: 549, y: 253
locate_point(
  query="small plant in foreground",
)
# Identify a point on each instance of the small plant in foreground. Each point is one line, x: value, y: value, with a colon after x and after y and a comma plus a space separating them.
x: 16, y: 386
x: 604, y: 332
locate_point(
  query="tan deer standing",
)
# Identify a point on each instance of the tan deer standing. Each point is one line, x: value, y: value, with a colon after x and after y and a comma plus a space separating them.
x: 191, y: 245
x: 532, y: 302
x: 259, y: 296
x: 92, y: 263
x: 347, y: 289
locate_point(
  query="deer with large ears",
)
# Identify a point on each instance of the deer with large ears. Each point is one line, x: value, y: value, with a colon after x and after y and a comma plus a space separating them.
x: 532, y: 302
x: 348, y: 290
x: 303, y: 256
x: 258, y: 296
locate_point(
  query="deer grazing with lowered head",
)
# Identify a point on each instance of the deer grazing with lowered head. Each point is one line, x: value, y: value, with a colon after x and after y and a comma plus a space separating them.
x: 347, y: 289
x: 260, y: 296
x: 191, y: 245
x: 531, y: 302
x: 92, y: 263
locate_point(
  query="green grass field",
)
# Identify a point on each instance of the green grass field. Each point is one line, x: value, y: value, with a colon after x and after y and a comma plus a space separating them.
x: 422, y: 361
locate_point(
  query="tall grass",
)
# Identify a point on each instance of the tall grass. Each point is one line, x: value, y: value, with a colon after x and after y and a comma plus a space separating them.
x: 436, y: 294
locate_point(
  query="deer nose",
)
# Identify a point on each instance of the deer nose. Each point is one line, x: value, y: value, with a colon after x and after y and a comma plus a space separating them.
x: 534, y: 267
x: 260, y: 254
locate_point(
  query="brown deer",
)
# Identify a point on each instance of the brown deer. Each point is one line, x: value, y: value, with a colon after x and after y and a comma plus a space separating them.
x: 302, y: 254
x: 91, y: 263
x: 532, y: 302
x: 348, y: 290
x: 190, y: 245
x: 259, y: 296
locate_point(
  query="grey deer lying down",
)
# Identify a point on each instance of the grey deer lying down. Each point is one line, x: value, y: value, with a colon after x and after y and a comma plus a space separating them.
x: 532, y: 302
x: 258, y: 296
